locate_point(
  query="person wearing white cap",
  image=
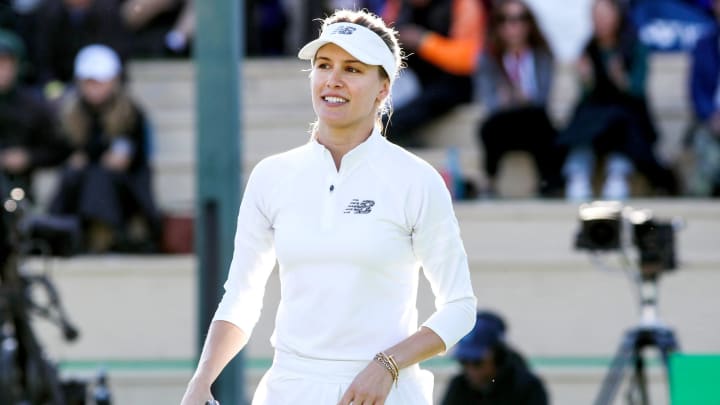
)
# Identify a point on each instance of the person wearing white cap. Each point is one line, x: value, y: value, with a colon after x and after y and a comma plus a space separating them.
x: 350, y: 218
x: 106, y: 179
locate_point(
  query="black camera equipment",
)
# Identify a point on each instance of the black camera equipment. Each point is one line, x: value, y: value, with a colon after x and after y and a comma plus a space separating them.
x: 27, y: 376
x: 609, y: 227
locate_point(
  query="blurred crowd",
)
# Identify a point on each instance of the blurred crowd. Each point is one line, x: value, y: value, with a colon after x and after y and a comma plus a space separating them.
x: 64, y: 103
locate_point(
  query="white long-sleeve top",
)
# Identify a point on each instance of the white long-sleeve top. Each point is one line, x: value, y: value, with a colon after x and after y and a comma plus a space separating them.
x: 349, y: 245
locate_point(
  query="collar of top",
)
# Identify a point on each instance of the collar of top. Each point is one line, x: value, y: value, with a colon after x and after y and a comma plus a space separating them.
x: 356, y: 154
x: 357, y: 40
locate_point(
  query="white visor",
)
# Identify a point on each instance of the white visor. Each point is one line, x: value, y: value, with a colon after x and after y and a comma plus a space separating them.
x: 360, y: 42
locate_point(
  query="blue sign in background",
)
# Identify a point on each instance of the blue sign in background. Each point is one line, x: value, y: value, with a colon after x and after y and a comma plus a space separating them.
x: 671, y: 25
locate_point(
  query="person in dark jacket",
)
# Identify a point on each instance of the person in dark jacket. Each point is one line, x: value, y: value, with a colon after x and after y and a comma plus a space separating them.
x: 704, y: 143
x: 28, y: 135
x: 492, y: 372
x: 106, y: 181
x: 612, y: 118
x: 66, y: 26
x: 514, y: 78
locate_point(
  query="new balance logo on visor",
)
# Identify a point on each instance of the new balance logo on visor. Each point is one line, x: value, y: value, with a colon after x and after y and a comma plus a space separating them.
x: 359, y: 207
x: 344, y: 30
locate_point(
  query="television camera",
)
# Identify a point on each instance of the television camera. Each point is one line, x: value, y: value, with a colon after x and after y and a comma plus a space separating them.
x: 647, y: 249
x: 27, y: 375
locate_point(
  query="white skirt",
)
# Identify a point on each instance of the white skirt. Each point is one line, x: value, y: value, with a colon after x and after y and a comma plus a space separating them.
x: 303, y: 381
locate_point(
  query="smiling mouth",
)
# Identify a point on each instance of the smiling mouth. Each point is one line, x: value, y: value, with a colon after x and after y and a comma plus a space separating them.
x: 335, y: 100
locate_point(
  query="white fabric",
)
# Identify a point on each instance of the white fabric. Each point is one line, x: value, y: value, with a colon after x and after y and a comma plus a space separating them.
x: 348, y: 258
x: 303, y: 381
x: 358, y: 41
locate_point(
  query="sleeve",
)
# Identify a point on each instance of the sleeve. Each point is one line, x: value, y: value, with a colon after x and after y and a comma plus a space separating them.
x: 457, y: 54
x: 701, y: 90
x: 439, y: 249
x: 639, y: 71
x: 487, y: 82
x: 47, y: 146
x: 546, y: 74
x: 252, y: 262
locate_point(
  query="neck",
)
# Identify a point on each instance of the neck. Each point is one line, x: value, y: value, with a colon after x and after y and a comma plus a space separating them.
x: 340, y: 141
x: 606, y: 41
x: 516, y: 48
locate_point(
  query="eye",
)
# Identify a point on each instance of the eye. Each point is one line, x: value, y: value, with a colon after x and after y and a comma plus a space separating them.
x: 352, y: 69
x: 322, y: 65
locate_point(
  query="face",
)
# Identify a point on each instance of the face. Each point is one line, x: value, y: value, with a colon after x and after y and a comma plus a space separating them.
x: 480, y: 374
x: 606, y: 19
x: 96, y: 92
x: 514, y: 24
x: 346, y: 93
x: 8, y: 72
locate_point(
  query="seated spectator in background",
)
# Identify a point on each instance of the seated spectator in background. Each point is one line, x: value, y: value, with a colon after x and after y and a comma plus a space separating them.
x: 20, y: 17
x: 106, y: 181
x: 28, y: 137
x: 442, y: 39
x: 66, y: 26
x: 493, y: 373
x: 612, y: 117
x: 514, y: 78
x: 266, y: 26
x: 704, y: 142
x: 159, y: 27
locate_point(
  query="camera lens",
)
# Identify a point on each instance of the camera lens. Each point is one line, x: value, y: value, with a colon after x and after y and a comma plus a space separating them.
x: 601, y: 234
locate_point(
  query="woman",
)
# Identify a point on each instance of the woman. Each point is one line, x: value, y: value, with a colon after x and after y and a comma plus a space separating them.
x: 106, y: 180
x: 612, y: 117
x: 351, y: 217
x: 443, y: 39
x: 515, y: 78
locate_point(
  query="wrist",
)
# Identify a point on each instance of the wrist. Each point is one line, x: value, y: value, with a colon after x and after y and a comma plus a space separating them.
x: 389, y: 364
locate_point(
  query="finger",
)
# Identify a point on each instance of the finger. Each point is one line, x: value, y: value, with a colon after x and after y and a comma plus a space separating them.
x: 346, y: 399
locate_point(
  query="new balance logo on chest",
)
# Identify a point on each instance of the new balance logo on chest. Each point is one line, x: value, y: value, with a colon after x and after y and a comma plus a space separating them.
x: 359, y: 207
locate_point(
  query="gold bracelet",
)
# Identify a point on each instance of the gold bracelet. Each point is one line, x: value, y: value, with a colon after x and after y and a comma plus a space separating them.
x: 394, y: 364
x: 389, y: 364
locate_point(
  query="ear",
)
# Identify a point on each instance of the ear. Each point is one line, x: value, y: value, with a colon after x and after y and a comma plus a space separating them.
x: 384, y: 91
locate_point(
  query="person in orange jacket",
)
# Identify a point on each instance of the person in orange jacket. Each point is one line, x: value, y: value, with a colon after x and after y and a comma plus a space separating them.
x: 442, y: 40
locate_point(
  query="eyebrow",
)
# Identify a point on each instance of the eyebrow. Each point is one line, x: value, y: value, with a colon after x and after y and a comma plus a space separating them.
x: 344, y: 61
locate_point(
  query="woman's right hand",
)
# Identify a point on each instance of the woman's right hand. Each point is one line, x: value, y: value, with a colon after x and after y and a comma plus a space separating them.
x: 585, y: 70
x: 197, y: 394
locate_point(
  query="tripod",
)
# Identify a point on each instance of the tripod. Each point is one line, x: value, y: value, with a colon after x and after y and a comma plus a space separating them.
x: 649, y: 333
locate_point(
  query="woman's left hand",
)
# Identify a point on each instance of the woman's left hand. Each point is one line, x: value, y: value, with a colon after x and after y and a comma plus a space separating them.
x: 370, y: 387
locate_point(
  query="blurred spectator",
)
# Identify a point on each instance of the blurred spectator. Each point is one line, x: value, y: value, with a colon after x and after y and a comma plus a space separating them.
x: 493, y: 373
x: 267, y: 23
x: 374, y: 6
x: 514, y: 78
x: 612, y: 117
x: 704, y: 179
x: 28, y: 137
x: 20, y: 17
x: 442, y: 39
x: 106, y: 181
x: 65, y: 26
x: 159, y: 26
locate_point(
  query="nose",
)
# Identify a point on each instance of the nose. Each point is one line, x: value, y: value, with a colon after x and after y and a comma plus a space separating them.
x: 334, y: 79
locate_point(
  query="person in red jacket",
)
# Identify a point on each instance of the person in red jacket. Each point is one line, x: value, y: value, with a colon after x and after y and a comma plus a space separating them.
x: 442, y: 40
